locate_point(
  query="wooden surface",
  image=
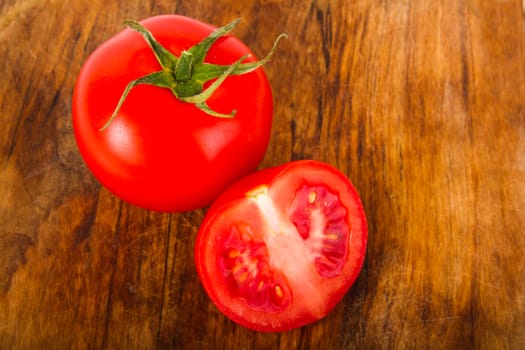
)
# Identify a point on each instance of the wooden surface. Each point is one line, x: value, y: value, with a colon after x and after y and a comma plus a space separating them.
x: 420, y: 103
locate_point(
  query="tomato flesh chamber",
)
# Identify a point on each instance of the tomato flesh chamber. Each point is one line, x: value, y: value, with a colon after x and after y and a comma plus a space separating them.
x: 291, y: 254
x: 320, y: 220
x: 246, y: 268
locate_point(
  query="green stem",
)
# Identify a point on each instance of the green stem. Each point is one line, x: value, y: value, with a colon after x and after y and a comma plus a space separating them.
x: 184, y: 66
x: 151, y: 79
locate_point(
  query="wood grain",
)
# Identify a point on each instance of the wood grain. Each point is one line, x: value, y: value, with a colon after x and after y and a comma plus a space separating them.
x: 420, y: 103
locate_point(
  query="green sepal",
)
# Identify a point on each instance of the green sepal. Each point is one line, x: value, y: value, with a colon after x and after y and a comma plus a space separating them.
x: 207, y: 70
x: 160, y: 78
x: 164, y: 57
x: 200, y: 50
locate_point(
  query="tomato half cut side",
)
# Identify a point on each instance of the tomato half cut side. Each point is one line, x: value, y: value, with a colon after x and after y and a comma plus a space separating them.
x: 281, y: 247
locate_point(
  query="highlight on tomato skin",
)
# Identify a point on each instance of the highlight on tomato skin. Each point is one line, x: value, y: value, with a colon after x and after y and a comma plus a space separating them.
x: 280, y: 248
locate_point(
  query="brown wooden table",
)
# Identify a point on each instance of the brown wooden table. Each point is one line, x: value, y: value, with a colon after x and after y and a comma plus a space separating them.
x: 420, y: 103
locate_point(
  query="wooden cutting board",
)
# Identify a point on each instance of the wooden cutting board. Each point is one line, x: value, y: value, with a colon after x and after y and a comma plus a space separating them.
x: 420, y: 103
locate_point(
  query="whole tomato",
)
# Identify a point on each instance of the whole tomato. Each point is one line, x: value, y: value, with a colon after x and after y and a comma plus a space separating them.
x: 170, y: 111
x: 280, y: 247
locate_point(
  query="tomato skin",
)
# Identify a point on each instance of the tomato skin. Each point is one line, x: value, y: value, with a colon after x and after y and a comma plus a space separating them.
x: 160, y: 153
x: 305, y: 300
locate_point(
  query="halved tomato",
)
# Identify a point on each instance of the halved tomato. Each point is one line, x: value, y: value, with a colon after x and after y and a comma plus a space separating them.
x: 281, y: 247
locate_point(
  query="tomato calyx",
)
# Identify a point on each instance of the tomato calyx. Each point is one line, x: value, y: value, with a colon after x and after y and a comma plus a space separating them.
x: 186, y: 75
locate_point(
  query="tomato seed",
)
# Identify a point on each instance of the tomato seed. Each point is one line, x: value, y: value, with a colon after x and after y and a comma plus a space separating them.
x: 236, y: 268
x: 243, y: 277
x: 311, y: 197
x: 232, y: 254
x: 260, y: 286
x: 278, y: 292
x: 332, y: 236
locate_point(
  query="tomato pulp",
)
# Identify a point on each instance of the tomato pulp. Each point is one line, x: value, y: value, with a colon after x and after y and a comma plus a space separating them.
x: 281, y: 247
x: 159, y: 152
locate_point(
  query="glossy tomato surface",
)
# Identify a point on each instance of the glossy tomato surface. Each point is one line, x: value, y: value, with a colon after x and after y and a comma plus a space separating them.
x: 160, y: 153
x: 281, y: 247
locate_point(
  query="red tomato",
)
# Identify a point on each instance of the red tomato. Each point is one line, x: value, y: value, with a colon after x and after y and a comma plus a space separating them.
x: 161, y: 153
x: 281, y: 247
